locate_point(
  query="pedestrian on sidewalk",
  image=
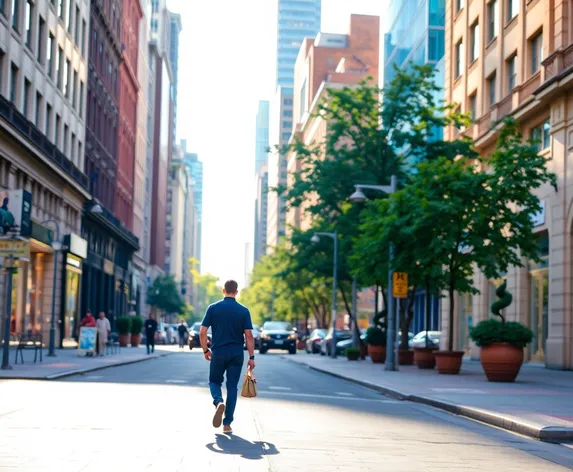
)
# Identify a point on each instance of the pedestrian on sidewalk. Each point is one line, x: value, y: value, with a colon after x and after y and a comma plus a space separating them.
x: 150, y: 330
x: 88, y: 322
x: 231, y: 324
x: 168, y: 335
x: 182, y: 334
x: 103, y: 331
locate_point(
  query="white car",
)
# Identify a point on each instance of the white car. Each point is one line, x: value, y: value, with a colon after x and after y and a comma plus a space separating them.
x: 433, y: 339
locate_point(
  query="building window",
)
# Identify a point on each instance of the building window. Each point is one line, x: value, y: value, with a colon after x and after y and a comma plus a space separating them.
x: 27, y: 92
x: 73, y: 149
x: 83, y: 38
x: 48, y: 122
x: 50, y: 51
x: 38, y: 108
x: 3, y: 6
x: 491, y: 83
x: 57, y: 131
x: 29, y: 19
x: 16, y: 14
x: 66, y: 134
x: 511, y: 73
x: 59, y: 71
x: 288, y: 102
x: 286, y: 136
x: 61, y: 9
x: 459, y: 5
x: 459, y: 58
x: 287, y: 113
x: 536, y: 49
x: 68, y: 79
x: 41, y: 33
x: 512, y: 9
x: 74, y: 89
x: 13, y: 82
x: 472, y: 105
x: 435, y: 45
x: 80, y: 153
x: 475, y: 44
x: 81, y: 99
x: 287, y: 124
x: 77, y: 28
x: 541, y: 135
x: 492, y: 19
x: 69, y: 18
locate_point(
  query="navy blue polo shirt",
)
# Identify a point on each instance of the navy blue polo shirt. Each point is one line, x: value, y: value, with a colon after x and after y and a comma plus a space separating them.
x: 228, y: 320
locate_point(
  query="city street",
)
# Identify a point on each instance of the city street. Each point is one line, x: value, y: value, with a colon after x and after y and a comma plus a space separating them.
x: 156, y: 415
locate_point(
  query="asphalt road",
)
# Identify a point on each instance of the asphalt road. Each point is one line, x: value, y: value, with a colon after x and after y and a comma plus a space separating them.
x: 156, y: 415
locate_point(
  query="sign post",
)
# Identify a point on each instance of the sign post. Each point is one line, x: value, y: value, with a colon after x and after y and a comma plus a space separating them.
x: 399, y: 291
x: 7, y: 314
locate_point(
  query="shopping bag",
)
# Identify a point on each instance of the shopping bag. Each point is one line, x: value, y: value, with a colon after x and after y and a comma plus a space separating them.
x: 249, y: 389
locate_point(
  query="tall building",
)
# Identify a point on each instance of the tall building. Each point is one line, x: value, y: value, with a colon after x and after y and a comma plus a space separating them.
x: 195, y: 167
x: 513, y: 59
x: 106, y: 281
x: 329, y: 61
x: 175, y: 26
x: 297, y: 19
x: 163, y: 126
x: 176, y: 217
x: 43, y: 77
x: 261, y: 208
x: 142, y: 172
x: 262, y: 135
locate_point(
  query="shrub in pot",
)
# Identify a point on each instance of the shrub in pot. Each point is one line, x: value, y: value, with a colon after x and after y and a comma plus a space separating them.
x: 124, y: 329
x: 376, y: 341
x: 352, y: 353
x: 136, y: 327
x: 501, y: 342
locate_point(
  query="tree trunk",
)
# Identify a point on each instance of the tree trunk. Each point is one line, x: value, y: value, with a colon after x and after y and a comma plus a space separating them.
x: 406, y: 316
x: 451, y: 326
x: 428, y: 309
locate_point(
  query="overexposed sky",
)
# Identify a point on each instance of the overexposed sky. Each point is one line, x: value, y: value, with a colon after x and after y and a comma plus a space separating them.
x: 226, y: 65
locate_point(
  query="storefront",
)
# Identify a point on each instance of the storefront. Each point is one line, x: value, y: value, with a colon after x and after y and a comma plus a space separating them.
x: 76, y: 252
x: 539, y: 300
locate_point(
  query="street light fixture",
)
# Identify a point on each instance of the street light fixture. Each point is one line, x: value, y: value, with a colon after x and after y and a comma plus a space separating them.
x: 316, y: 238
x: 96, y: 209
x: 358, y: 196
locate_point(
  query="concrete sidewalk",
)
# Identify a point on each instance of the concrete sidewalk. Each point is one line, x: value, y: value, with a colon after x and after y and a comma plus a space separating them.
x: 539, y: 404
x: 67, y: 362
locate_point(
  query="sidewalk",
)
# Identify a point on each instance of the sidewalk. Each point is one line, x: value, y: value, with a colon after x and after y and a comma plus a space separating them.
x: 67, y: 362
x: 539, y: 404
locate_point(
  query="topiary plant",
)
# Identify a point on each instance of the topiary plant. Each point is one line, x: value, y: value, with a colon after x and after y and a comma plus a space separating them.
x: 124, y: 325
x: 505, y: 299
x: 136, y: 324
x: 376, y: 335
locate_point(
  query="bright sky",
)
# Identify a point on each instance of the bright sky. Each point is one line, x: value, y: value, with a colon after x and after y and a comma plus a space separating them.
x: 226, y: 65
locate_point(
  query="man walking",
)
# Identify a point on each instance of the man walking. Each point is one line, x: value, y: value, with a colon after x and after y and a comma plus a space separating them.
x: 150, y: 330
x: 103, y: 330
x: 182, y: 334
x: 229, y: 322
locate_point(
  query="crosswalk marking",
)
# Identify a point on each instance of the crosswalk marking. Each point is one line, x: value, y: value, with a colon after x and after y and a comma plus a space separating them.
x: 176, y: 381
x: 344, y: 394
x: 280, y: 388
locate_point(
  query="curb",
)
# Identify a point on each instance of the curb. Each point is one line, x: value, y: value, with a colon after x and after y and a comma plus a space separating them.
x: 549, y: 434
x: 71, y: 373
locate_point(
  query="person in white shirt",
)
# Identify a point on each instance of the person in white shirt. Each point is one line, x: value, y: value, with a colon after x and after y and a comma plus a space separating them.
x: 103, y: 330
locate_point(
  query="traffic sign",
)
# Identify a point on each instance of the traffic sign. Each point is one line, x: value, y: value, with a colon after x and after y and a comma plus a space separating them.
x: 400, y: 285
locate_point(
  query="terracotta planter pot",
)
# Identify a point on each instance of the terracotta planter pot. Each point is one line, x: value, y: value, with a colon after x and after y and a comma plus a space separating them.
x: 424, y: 357
x: 363, y: 351
x: 135, y: 340
x: 501, y: 362
x: 124, y: 340
x: 405, y: 357
x: 377, y: 353
x: 300, y: 345
x: 449, y: 362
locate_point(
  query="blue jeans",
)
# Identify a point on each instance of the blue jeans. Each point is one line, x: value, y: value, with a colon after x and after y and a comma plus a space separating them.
x: 232, y: 364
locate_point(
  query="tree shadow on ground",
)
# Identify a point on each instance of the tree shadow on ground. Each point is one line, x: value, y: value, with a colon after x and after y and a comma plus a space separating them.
x: 236, y: 445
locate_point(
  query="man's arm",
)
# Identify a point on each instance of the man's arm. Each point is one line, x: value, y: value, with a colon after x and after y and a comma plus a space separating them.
x: 250, y: 341
x: 203, y: 339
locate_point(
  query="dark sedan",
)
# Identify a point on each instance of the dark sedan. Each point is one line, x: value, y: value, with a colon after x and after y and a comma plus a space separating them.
x: 326, y: 345
x: 314, y: 340
x: 194, y: 340
x: 278, y: 335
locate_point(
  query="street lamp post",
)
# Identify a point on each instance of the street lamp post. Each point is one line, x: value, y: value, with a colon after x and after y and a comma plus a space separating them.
x: 355, y: 331
x: 334, y: 236
x: 57, y: 246
x: 358, y: 196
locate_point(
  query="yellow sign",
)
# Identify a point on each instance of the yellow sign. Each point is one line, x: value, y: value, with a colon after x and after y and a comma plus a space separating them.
x: 15, y: 248
x: 400, y: 285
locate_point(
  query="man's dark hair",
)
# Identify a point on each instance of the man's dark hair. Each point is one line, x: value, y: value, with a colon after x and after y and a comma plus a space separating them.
x: 231, y: 286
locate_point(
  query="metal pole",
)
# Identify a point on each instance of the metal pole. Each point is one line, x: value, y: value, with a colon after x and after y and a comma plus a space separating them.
x: 397, y: 340
x: 334, y: 289
x: 355, y: 338
x: 51, y: 352
x: 391, y: 333
x: 8, y: 312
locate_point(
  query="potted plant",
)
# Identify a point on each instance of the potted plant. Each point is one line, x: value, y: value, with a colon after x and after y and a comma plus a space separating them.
x: 376, y: 339
x: 136, y: 327
x: 124, y: 330
x: 501, y: 342
x: 352, y: 353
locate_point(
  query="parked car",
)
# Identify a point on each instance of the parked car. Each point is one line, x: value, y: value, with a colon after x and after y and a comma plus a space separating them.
x: 433, y: 337
x: 194, y: 339
x: 314, y: 340
x: 256, y: 336
x: 341, y: 346
x: 326, y: 345
x: 278, y: 335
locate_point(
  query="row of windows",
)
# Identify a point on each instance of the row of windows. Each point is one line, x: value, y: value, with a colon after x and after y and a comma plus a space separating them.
x: 105, y: 66
x: 41, y: 113
x: 102, y: 125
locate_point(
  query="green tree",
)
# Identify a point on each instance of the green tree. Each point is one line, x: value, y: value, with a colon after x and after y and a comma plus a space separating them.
x: 164, y: 295
x: 207, y: 288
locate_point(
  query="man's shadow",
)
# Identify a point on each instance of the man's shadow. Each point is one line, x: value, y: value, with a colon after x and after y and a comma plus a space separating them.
x: 236, y: 445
